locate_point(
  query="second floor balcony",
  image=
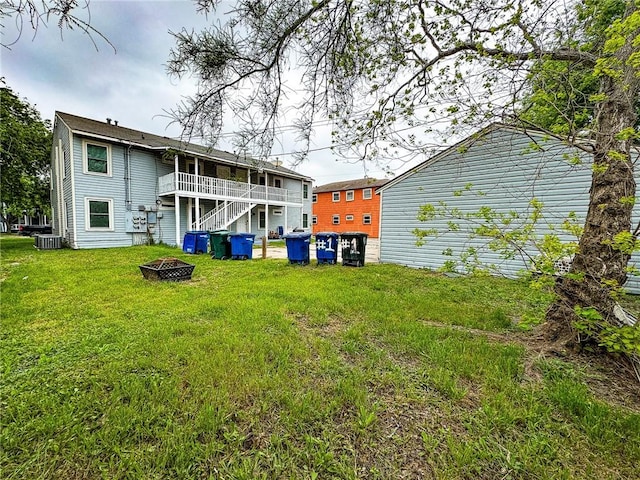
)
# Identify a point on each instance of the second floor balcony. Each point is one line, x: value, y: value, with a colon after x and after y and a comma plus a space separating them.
x: 190, y: 185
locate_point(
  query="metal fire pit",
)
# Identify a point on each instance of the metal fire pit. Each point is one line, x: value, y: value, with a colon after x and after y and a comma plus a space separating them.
x: 167, y: 269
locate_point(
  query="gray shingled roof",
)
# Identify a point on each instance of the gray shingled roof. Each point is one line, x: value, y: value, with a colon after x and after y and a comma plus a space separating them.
x: 350, y: 185
x: 111, y: 131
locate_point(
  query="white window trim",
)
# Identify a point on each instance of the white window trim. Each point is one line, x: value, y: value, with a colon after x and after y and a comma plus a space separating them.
x: 333, y: 219
x: 87, y: 218
x: 333, y: 196
x: 85, y: 159
x: 370, y: 190
x: 277, y: 212
x: 370, y: 219
x: 353, y: 196
x: 314, y: 198
x: 314, y: 220
x: 348, y: 218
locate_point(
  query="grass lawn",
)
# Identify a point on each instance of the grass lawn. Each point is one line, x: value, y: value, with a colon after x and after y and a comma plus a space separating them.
x: 261, y: 369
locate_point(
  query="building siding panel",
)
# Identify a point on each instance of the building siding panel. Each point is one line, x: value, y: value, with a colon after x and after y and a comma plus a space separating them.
x: 504, y: 171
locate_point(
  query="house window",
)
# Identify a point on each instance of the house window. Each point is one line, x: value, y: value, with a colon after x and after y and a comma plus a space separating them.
x: 350, y: 195
x: 314, y: 219
x: 367, y: 193
x: 336, y: 196
x: 262, y: 219
x: 305, y: 191
x: 349, y: 218
x: 277, y: 212
x: 97, y: 159
x: 99, y: 214
x: 336, y: 220
x: 366, y: 219
x: 277, y: 182
x: 305, y: 220
x: 315, y: 198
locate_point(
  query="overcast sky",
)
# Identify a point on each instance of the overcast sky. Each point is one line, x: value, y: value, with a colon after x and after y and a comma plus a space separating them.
x: 62, y: 70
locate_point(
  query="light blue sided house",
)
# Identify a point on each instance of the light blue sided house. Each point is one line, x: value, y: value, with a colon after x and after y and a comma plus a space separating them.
x: 500, y: 167
x: 113, y: 186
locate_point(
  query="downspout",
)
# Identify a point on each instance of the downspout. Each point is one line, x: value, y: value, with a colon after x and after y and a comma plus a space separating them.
x: 127, y: 178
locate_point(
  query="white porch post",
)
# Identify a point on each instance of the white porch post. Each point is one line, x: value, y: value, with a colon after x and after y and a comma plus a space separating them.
x: 177, y: 201
x: 286, y: 219
x: 197, y: 172
x: 266, y: 207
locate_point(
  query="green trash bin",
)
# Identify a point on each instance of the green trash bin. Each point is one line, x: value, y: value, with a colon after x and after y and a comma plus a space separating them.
x: 353, y: 246
x: 220, y: 245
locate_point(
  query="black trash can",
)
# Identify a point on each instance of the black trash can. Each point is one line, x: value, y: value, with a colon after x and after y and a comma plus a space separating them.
x: 220, y: 245
x: 352, y: 247
x: 327, y: 247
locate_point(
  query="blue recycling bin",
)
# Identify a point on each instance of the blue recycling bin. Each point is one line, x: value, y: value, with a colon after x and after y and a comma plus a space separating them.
x: 195, y: 241
x: 327, y: 247
x: 298, y: 247
x: 241, y: 245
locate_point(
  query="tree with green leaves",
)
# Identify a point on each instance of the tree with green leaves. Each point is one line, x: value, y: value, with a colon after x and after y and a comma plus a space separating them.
x: 389, y: 73
x: 25, y: 153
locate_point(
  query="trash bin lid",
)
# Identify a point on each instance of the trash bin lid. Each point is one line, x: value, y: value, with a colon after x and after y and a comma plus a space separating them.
x: 304, y: 235
x: 240, y: 234
x: 354, y: 234
x: 219, y: 232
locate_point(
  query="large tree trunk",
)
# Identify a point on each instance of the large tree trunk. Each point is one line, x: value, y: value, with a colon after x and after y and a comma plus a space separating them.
x: 602, y: 266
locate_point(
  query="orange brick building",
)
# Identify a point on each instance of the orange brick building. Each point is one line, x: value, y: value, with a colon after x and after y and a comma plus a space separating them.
x: 350, y: 206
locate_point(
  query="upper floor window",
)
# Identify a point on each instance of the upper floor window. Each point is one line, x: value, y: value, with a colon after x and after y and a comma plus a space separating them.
x: 97, y: 159
x: 349, y: 218
x: 349, y: 195
x: 314, y: 219
x: 305, y: 191
x: 315, y: 197
x: 367, y: 193
x: 336, y: 220
x: 336, y: 196
x: 366, y: 219
x: 277, y: 182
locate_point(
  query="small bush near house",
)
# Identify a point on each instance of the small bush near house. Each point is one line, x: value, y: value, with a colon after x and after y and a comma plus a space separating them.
x: 259, y: 369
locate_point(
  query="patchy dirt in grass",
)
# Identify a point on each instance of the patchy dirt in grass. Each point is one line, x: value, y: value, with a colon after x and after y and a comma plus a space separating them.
x: 330, y: 327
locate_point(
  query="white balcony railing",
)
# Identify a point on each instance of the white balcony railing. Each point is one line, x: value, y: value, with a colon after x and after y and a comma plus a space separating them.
x: 217, y: 188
